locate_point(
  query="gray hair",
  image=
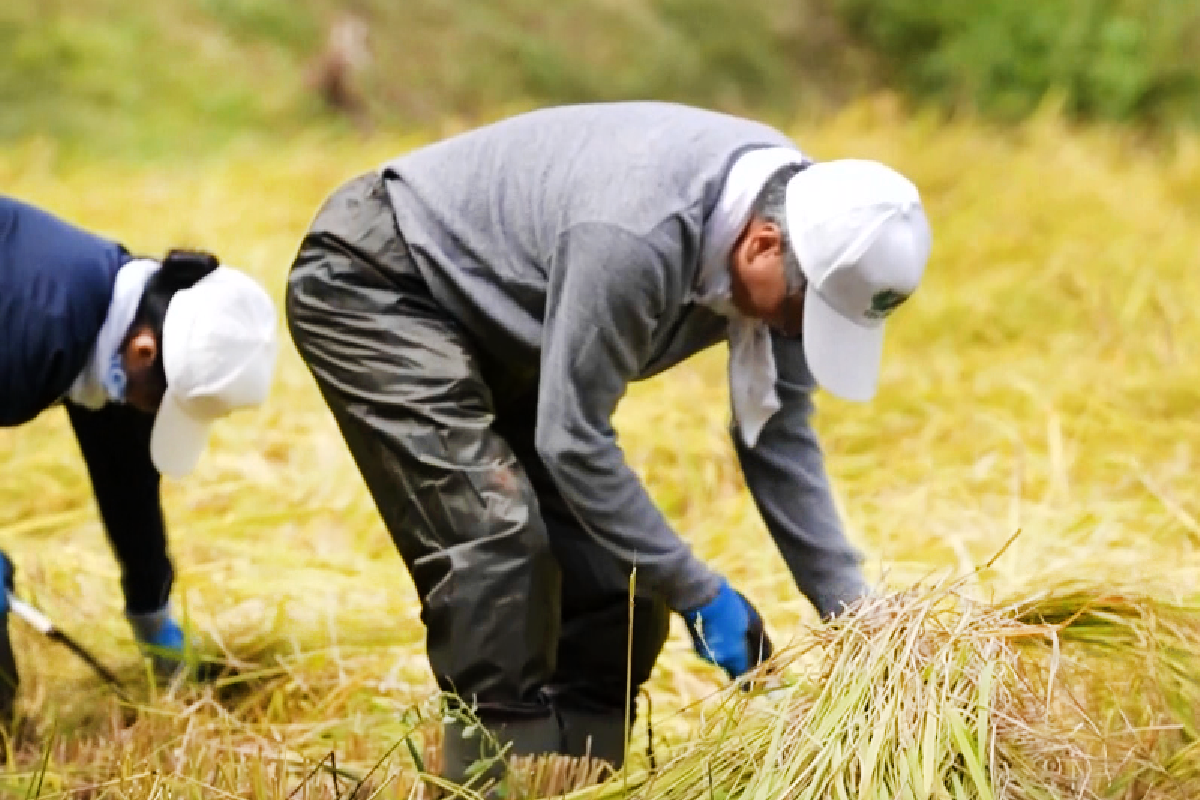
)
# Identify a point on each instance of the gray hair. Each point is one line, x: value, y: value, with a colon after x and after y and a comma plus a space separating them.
x: 771, y: 206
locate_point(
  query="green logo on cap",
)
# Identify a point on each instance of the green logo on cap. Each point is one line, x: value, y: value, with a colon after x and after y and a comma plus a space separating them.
x: 884, y: 303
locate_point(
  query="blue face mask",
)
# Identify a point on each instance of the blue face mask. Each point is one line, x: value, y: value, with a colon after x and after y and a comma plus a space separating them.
x: 115, y: 380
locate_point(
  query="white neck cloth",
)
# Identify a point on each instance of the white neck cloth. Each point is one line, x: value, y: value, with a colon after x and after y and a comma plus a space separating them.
x: 752, y: 371
x: 103, y: 377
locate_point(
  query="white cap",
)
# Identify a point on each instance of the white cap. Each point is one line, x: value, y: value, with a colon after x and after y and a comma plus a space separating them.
x: 862, y: 240
x: 219, y: 344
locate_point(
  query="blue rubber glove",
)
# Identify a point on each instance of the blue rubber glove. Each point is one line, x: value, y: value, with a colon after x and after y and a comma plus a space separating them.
x: 171, y: 649
x: 169, y: 638
x: 161, y: 638
x: 728, y: 631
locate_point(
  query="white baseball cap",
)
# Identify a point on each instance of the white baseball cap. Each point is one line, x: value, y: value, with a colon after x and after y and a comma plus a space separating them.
x: 862, y: 239
x: 219, y: 344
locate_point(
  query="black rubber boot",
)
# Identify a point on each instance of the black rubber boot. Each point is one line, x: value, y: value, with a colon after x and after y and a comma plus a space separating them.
x: 523, y: 737
x: 9, y: 679
x: 596, y: 735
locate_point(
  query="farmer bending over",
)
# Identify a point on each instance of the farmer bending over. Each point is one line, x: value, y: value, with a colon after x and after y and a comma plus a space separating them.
x: 474, y: 311
x: 143, y: 355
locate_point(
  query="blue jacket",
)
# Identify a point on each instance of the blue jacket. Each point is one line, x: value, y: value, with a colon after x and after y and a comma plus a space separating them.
x: 56, y: 282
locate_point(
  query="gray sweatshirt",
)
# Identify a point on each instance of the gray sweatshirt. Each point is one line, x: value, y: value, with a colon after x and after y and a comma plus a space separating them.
x: 568, y: 241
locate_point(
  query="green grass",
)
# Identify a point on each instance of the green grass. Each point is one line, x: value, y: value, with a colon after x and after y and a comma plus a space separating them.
x: 1046, y: 378
x: 160, y: 80
x: 1128, y: 60
x: 148, y: 81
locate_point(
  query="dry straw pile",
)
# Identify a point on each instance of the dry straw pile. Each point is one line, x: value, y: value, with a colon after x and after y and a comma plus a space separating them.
x: 1080, y: 693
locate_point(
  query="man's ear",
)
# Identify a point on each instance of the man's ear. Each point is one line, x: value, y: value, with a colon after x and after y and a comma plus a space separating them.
x: 762, y: 238
x: 142, y: 347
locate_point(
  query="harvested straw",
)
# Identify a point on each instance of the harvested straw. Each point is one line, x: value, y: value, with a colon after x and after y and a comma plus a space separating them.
x: 912, y: 696
x: 926, y: 694
x: 1130, y: 665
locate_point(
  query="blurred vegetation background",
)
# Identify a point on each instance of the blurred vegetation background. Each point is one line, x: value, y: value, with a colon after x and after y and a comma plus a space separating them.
x: 148, y: 79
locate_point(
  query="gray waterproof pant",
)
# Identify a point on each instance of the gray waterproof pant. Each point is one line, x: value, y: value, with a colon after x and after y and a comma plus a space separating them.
x: 524, y: 613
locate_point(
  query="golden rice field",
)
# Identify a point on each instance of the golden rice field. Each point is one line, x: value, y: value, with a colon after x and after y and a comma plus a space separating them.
x: 1044, y: 380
